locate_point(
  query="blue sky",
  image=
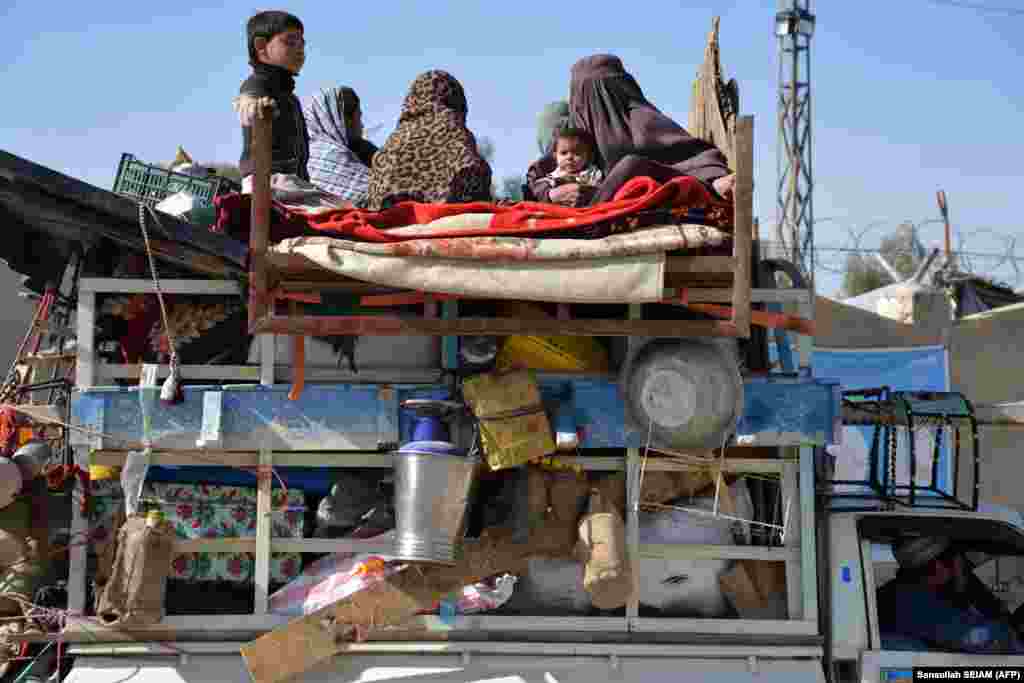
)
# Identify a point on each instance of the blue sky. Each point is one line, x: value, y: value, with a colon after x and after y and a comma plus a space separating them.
x: 909, y: 96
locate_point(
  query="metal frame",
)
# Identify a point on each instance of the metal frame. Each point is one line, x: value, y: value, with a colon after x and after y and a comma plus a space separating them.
x: 795, y: 191
x: 91, y: 372
x: 889, y: 411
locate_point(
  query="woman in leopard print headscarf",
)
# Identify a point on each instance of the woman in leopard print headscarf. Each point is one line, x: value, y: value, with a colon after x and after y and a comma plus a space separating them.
x: 431, y: 156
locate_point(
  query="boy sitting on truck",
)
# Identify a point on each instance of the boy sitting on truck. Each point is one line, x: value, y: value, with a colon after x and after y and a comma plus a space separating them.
x: 277, y: 52
x: 937, y: 603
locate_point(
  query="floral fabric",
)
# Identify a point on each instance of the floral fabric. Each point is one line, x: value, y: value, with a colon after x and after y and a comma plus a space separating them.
x: 210, y: 511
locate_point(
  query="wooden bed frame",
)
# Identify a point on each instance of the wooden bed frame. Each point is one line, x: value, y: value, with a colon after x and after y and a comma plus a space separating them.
x: 689, y: 279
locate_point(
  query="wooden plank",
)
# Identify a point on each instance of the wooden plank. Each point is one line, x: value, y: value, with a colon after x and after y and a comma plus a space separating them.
x: 661, y: 650
x: 743, y: 230
x: 808, y: 547
x: 295, y: 648
x: 693, y: 551
x: 115, y: 458
x: 725, y: 295
x: 743, y: 627
x: 261, y: 573
x: 260, y: 305
x: 794, y: 532
x: 320, y: 326
x: 633, y: 495
x: 268, y: 358
x: 85, y: 368
x: 110, y: 285
x: 699, y: 265
x: 78, y: 553
x: 245, y: 373
x: 250, y: 544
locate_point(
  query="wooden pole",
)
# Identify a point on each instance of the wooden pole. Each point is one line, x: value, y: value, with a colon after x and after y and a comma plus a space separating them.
x: 260, y: 305
x: 743, y: 225
x: 944, y: 210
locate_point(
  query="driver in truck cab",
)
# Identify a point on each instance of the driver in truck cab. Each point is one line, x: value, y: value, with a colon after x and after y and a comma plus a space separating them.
x: 935, y: 602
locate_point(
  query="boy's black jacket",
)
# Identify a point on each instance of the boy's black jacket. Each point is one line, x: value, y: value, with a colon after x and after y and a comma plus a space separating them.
x: 289, y: 137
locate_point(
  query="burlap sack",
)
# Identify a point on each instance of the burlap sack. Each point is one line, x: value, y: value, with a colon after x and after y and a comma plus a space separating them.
x: 21, y: 571
x: 602, y: 536
x: 134, y: 595
x: 106, y: 550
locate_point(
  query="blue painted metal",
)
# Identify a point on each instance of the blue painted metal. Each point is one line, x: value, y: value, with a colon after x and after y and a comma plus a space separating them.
x: 338, y: 417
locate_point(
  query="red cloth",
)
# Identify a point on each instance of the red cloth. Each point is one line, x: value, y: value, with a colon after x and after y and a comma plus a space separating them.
x: 234, y: 216
x: 639, y: 194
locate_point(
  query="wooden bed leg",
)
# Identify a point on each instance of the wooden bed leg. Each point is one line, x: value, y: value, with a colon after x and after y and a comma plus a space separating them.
x: 429, y: 306
x: 260, y: 304
x: 298, y: 358
x: 743, y: 226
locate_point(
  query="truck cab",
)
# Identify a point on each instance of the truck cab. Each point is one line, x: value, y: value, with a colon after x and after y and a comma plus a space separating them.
x: 859, y: 562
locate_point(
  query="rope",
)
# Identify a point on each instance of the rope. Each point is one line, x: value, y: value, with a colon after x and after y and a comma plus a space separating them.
x: 171, y: 342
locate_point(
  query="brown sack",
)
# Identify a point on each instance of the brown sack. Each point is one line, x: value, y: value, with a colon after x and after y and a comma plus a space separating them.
x: 607, y: 576
x: 106, y: 550
x: 134, y: 595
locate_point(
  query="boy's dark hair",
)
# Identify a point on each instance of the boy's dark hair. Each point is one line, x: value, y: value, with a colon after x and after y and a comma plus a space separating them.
x: 573, y: 133
x: 267, y: 25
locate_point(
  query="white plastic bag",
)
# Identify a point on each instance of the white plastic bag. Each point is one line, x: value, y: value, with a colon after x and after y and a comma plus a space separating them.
x: 133, y: 476
x: 178, y: 204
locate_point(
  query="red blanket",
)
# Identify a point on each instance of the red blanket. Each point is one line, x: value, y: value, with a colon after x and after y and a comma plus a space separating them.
x: 524, y: 218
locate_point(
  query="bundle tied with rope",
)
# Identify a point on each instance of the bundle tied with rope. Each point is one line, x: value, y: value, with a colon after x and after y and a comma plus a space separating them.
x: 171, y: 392
x: 514, y: 428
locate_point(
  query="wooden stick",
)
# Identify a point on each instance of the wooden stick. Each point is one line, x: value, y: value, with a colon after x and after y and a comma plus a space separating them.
x: 388, y: 325
x: 743, y: 225
x: 260, y: 304
x: 298, y: 359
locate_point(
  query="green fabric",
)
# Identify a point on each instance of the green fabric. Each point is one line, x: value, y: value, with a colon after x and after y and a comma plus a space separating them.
x: 554, y: 115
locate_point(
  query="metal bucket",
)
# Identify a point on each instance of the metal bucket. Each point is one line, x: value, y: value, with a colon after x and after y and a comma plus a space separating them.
x: 433, y: 486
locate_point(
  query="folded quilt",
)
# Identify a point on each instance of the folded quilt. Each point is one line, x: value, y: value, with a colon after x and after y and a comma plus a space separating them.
x: 627, y: 279
x: 647, y: 241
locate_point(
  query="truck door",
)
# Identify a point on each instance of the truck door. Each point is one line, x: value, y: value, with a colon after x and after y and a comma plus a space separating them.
x: 881, y: 661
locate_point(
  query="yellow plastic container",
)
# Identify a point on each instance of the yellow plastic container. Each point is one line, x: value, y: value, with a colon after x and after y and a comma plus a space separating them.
x: 553, y: 354
x: 100, y: 472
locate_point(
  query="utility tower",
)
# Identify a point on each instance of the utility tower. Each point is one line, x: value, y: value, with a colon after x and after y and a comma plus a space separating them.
x: 794, y: 27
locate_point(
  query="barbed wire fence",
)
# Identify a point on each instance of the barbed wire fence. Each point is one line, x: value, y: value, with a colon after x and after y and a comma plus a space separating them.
x: 984, y: 252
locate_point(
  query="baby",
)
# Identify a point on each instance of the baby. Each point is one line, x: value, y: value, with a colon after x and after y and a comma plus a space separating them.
x: 574, y: 158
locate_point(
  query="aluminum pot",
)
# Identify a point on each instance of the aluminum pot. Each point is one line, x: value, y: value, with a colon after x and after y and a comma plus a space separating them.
x: 32, y: 457
x: 433, y: 485
x: 683, y: 393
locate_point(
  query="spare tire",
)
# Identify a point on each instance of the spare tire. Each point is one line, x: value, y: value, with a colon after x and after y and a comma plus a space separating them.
x: 684, y: 393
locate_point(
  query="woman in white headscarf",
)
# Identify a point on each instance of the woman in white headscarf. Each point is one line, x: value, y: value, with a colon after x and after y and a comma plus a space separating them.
x: 339, y: 156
